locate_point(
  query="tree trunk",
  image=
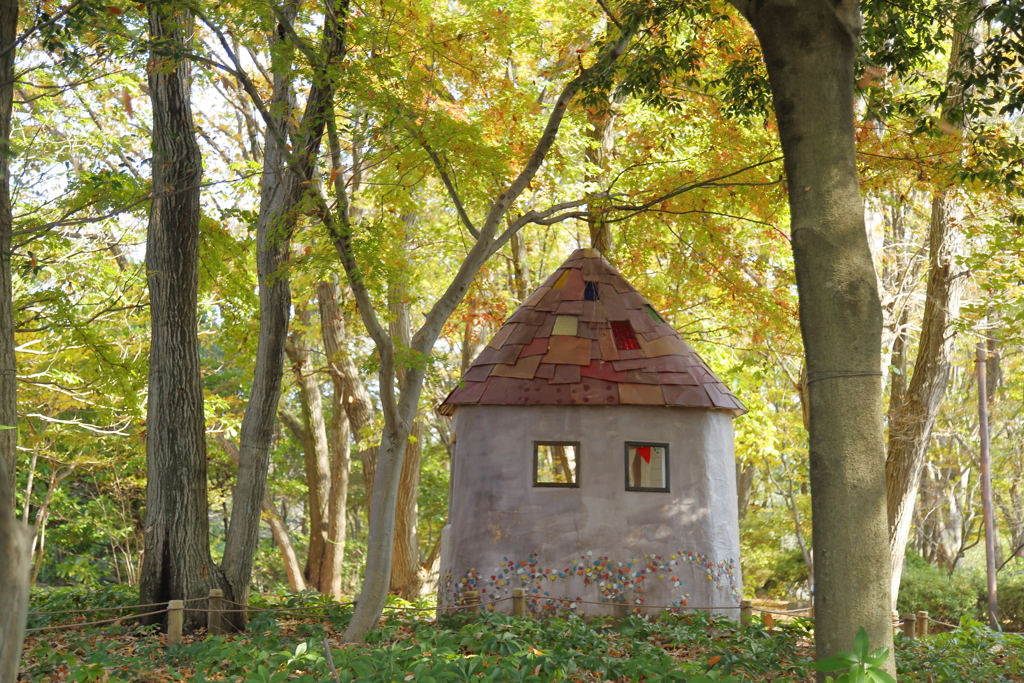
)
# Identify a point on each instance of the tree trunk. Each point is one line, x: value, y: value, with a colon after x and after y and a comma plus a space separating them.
x: 277, y: 525
x: 287, y: 169
x: 744, y: 487
x: 318, y: 459
x: 332, y: 330
x: 15, y: 564
x: 8, y: 367
x: 912, y: 418
x: 809, y: 51
x: 177, y: 562
x: 406, y: 579
x: 602, y: 145
x: 521, y: 267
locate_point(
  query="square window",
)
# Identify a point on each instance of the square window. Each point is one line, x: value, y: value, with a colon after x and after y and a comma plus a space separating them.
x: 622, y: 332
x: 566, y: 325
x: 646, y: 466
x: 556, y: 463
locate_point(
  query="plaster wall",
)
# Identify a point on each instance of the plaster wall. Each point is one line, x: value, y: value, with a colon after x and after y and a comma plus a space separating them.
x: 597, y: 543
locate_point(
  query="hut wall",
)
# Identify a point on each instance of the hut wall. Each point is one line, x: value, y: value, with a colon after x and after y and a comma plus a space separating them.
x: 597, y: 543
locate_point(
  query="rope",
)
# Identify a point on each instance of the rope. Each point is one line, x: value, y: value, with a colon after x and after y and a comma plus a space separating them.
x: 99, y: 609
x: 788, y: 611
x: 104, y: 609
x: 94, y: 623
x: 284, y: 609
x: 942, y: 623
x: 842, y: 373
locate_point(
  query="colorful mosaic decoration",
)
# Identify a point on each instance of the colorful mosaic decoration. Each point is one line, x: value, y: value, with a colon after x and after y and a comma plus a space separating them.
x: 587, y: 337
x: 624, y: 582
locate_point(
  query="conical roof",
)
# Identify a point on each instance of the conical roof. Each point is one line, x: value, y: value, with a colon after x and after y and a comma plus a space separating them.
x: 587, y: 337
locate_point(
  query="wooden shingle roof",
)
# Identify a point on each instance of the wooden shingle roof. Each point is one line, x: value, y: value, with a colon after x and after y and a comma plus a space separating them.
x: 587, y: 337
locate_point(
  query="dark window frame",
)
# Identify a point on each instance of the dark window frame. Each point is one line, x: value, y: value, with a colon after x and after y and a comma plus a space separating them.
x: 667, y: 488
x: 551, y: 484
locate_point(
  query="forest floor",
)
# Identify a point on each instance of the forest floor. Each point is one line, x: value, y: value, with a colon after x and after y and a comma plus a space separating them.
x: 692, y: 648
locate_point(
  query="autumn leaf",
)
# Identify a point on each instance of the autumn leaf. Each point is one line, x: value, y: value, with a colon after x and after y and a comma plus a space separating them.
x: 714, y: 660
x: 115, y: 10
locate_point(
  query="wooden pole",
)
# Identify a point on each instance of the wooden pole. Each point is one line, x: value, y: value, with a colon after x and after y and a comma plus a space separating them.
x: 986, y: 490
x: 175, y: 618
x: 472, y: 602
x: 746, y: 611
x: 518, y: 602
x: 910, y: 625
x: 922, y: 624
x: 214, y: 625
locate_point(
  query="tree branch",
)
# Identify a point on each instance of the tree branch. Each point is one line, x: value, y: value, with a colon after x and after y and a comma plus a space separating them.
x: 459, y: 208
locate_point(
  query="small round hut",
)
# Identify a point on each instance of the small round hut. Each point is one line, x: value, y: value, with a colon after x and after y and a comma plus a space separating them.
x: 593, y: 459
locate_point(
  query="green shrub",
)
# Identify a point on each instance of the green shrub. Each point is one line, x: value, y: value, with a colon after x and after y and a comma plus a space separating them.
x: 927, y: 587
x: 1010, y: 592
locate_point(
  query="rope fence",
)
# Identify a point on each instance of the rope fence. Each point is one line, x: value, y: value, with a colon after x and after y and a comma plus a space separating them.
x: 94, y: 623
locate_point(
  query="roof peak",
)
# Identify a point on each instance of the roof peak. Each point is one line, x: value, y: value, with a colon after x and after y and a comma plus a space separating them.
x: 586, y: 336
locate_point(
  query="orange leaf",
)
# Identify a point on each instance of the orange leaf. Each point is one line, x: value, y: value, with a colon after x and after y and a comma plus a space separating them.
x: 126, y: 98
x: 115, y: 10
x: 714, y: 660
x: 334, y: 174
x: 769, y: 621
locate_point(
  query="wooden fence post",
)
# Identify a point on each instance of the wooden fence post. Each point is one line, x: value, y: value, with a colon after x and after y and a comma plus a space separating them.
x: 922, y: 624
x: 518, y: 602
x: 214, y: 605
x: 746, y: 611
x: 472, y: 602
x: 175, y: 617
x: 910, y: 625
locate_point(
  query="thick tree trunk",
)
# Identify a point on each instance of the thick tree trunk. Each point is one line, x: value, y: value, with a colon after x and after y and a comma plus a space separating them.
x: 406, y: 579
x: 332, y: 330
x: 318, y: 459
x: 177, y: 562
x: 809, y: 50
x: 407, y: 576
x: 287, y: 169
x: 912, y: 415
x: 277, y: 526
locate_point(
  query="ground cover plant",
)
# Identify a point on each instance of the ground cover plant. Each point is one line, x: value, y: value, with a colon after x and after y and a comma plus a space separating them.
x: 411, y: 646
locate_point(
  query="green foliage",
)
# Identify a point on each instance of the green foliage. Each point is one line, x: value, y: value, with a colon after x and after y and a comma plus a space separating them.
x: 970, y: 653
x: 692, y: 648
x: 1011, y: 602
x: 926, y: 587
x: 864, y: 666
x: 74, y: 599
